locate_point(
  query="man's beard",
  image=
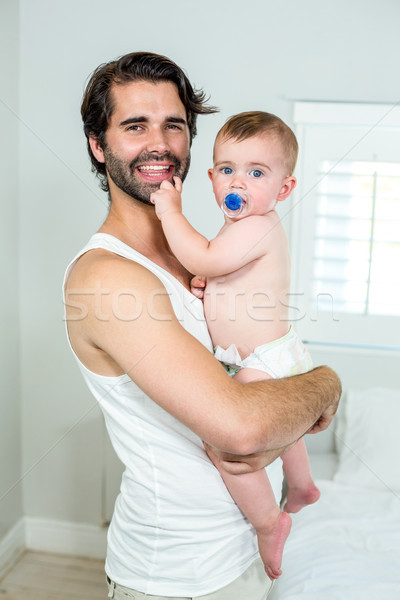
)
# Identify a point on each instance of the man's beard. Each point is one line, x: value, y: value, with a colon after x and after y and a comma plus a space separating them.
x: 124, y: 176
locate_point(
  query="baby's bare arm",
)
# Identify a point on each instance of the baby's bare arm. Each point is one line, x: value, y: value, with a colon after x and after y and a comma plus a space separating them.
x: 233, y: 248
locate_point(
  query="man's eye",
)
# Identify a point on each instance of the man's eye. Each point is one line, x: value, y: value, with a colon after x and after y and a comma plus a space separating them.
x: 226, y: 170
x: 173, y: 126
x: 256, y: 173
x: 134, y: 128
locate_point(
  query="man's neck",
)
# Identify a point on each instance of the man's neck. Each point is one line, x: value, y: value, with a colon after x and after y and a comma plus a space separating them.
x: 137, y: 225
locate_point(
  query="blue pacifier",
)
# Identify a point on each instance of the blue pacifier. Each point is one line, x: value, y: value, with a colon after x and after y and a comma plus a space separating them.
x: 234, y: 204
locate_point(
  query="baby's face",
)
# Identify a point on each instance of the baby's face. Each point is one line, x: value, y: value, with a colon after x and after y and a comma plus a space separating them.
x: 254, y: 166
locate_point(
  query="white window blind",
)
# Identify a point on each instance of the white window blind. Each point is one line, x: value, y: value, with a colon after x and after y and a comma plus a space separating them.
x: 357, y: 238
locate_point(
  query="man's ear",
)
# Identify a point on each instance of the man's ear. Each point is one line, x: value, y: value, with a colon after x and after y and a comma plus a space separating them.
x: 210, y: 173
x: 287, y: 188
x: 96, y: 148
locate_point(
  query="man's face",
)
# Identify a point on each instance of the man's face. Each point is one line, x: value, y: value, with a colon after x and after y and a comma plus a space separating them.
x: 147, y: 140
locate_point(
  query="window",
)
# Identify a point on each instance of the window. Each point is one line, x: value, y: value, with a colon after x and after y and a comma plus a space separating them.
x: 357, y: 237
x: 346, y: 224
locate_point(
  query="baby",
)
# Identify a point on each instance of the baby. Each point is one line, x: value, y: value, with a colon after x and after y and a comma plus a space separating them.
x: 247, y: 269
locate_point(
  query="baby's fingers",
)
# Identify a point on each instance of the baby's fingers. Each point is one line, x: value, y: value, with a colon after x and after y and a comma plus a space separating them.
x: 178, y: 184
x: 166, y: 185
x: 197, y: 286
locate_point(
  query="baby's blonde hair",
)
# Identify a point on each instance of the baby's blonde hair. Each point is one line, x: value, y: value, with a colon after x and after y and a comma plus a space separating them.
x: 255, y: 123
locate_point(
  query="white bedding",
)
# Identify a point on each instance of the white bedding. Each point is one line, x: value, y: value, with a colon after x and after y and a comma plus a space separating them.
x: 344, y: 547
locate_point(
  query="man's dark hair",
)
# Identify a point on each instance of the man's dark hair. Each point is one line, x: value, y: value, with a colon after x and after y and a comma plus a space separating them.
x: 97, y: 106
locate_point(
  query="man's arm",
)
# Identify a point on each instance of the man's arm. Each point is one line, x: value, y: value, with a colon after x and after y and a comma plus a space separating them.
x: 228, y: 252
x: 139, y: 334
x: 238, y: 465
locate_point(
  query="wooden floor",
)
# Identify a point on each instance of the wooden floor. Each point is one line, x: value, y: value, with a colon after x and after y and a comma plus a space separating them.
x: 39, y: 576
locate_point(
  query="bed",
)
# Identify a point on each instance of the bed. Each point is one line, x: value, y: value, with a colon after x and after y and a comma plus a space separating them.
x: 347, y: 545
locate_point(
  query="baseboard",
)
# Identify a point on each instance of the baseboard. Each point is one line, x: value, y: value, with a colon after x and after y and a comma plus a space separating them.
x: 63, y: 537
x: 12, y: 546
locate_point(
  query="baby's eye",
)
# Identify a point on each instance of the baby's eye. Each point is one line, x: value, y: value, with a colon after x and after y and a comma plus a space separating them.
x: 226, y: 170
x: 256, y: 173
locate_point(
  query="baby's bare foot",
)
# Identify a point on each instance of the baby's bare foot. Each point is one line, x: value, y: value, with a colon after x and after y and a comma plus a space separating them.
x: 298, y: 498
x: 271, y: 542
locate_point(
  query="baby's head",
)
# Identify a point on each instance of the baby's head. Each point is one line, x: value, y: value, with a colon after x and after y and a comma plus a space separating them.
x: 257, y: 123
x: 254, y: 158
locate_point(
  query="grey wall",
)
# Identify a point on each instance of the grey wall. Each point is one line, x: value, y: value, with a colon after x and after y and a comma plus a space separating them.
x: 10, y: 422
x: 251, y: 55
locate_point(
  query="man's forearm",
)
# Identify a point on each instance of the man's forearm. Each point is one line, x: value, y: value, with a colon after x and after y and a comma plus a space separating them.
x: 295, y: 406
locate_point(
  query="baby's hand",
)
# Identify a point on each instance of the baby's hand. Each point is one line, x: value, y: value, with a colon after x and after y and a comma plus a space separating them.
x: 167, y: 199
x: 197, y: 286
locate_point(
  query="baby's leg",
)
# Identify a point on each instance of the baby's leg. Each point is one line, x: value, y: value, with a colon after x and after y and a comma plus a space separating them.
x: 301, y: 487
x: 253, y: 494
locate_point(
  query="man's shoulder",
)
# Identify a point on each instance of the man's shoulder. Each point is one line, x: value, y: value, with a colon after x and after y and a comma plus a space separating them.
x: 100, y: 267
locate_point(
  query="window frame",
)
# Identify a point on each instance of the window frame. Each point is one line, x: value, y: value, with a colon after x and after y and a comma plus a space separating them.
x: 368, y: 118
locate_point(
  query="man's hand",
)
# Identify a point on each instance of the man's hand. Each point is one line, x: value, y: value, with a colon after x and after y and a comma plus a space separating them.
x: 167, y: 199
x: 327, y: 415
x: 197, y: 286
x: 325, y: 419
x: 237, y: 465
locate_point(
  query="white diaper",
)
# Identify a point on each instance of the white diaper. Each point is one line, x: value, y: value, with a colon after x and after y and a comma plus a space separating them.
x: 283, y: 357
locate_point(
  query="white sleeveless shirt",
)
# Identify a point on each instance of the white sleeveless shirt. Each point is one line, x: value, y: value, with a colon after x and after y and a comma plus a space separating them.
x: 175, y: 530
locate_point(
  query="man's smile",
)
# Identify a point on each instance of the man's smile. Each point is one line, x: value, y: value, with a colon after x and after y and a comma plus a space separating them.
x: 155, y: 172
x: 145, y: 173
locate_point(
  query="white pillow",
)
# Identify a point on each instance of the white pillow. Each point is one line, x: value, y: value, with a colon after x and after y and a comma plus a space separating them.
x: 369, y: 440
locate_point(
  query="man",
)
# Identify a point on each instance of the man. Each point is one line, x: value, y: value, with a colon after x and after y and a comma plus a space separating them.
x: 144, y: 350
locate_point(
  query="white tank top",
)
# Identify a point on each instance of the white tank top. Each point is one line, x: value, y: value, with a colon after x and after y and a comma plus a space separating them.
x: 175, y: 530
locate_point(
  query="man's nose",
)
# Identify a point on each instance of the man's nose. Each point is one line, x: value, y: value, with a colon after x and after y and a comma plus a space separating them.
x: 157, y: 141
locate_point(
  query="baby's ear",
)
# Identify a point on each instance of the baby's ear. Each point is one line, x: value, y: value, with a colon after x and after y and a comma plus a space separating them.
x: 210, y: 173
x: 287, y: 188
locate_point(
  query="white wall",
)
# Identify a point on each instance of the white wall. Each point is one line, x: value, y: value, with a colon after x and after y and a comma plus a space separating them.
x: 10, y: 429
x: 251, y: 55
